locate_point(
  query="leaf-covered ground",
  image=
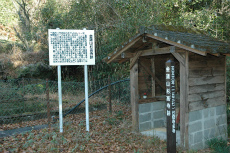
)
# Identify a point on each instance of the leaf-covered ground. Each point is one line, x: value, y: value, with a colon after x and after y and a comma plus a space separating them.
x: 108, y: 133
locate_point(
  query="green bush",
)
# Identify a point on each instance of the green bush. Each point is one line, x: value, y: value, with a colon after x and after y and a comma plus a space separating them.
x: 7, y: 94
x: 35, y: 88
x: 219, y: 145
x: 119, y: 115
x: 112, y: 121
x: 38, y: 70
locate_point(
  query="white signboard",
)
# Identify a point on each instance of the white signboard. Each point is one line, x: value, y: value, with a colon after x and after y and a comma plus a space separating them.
x: 71, y: 47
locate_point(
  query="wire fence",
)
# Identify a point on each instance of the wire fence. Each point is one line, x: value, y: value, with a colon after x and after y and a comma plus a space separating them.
x: 29, y: 102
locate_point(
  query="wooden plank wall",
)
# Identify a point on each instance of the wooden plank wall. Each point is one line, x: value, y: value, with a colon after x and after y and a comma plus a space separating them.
x: 206, y: 81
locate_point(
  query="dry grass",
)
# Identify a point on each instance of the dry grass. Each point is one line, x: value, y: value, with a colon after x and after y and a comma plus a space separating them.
x: 19, y: 58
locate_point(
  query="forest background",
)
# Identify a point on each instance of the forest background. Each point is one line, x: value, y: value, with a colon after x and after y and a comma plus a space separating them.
x: 24, y: 28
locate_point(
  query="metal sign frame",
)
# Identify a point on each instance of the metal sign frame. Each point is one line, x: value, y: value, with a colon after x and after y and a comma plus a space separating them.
x: 72, y: 47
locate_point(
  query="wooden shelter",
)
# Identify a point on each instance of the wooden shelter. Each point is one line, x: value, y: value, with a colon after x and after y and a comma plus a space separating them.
x: 200, y: 74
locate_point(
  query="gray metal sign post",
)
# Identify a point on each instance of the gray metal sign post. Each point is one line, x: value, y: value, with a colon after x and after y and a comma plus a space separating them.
x: 170, y: 106
x: 72, y: 47
x: 86, y: 97
x: 60, y: 99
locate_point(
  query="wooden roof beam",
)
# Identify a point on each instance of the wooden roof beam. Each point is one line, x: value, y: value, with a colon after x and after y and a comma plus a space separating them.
x: 226, y: 54
x: 156, y: 51
x: 177, y: 44
x: 178, y: 56
x: 117, y: 53
x: 135, y: 58
x: 149, y: 52
x: 123, y: 60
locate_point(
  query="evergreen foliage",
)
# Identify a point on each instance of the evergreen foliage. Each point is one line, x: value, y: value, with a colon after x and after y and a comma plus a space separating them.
x: 114, y: 22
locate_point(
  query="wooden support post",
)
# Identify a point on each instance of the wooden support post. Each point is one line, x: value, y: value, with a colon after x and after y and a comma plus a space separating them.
x: 137, y: 55
x: 134, y: 97
x: 153, y: 78
x: 135, y: 59
x: 183, y: 97
x: 48, y: 103
x: 109, y: 88
x: 186, y: 100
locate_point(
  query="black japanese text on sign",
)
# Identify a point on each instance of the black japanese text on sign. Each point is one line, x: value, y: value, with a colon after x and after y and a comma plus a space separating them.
x: 170, y: 106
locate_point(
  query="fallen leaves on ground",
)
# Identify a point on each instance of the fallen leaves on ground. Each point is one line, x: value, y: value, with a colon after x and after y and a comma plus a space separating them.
x: 4, y: 127
x: 109, y: 133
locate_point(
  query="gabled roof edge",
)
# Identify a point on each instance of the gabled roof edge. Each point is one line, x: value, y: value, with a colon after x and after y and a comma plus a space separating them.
x: 118, y: 52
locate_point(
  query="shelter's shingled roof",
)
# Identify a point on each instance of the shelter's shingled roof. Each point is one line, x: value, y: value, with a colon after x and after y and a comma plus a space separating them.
x: 190, y: 39
x: 194, y: 38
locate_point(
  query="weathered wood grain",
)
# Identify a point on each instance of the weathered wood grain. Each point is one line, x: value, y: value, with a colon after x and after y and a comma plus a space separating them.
x: 205, y: 96
x: 206, y: 88
x: 134, y: 59
x: 184, y: 101
x: 213, y: 102
x: 206, y: 80
x: 200, y: 71
x: 217, y: 61
x: 179, y: 57
x: 206, y: 71
x: 206, y: 62
x: 218, y: 70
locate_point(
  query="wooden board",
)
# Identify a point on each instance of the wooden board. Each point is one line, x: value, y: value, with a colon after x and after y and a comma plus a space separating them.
x: 218, y: 70
x: 206, y: 62
x: 213, y: 102
x: 206, y: 71
x: 206, y: 80
x: 206, y: 88
x: 205, y: 96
